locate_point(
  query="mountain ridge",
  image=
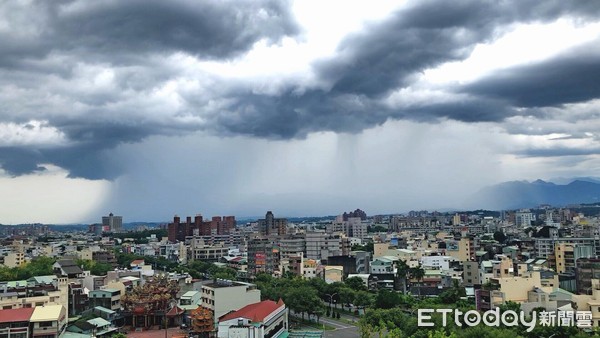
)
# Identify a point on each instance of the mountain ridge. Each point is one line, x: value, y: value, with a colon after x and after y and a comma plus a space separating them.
x: 525, y: 194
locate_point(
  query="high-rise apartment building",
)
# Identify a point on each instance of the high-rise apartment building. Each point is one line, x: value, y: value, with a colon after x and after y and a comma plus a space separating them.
x: 320, y: 245
x: 523, y: 218
x: 178, y: 230
x: 263, y: 255
x: 112, y: 222
x: 271, y: 225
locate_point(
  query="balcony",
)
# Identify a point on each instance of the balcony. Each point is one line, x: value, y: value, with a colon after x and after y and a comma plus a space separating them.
x: 46, y: 330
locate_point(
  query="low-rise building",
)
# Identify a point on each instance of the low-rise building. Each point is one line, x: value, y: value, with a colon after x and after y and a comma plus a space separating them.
x: 49, y: 321
x: 14, y: 259
x: 258, y: 320
x: 108, y: 298
x: 223, y: 296
x: 333, y: 273
x: 14, y: 323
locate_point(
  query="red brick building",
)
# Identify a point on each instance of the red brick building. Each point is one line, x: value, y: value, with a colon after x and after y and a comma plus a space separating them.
x: 218, y: 225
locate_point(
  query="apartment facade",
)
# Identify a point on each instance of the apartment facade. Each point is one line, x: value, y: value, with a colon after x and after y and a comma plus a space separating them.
x: 49, y: 321
x: 107, y: 298
x: 223, y: 296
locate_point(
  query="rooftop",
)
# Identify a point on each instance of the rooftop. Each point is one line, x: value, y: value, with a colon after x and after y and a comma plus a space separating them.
x: 72, y: 269
x: 189, y: 294
x: 99, y: 322
x: 69, y: 334
x: 106, y: 290
x: 226, y: 284
x: 17, y: 283
x: 105, y: 310
x: 66, y: 262
x: 46, y: 313
x: 43, y: 279
x: 256, y: 312
x: 406, y: 251
x: 15, y: 315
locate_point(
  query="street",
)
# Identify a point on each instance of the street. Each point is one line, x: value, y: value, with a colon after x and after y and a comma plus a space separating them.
x: 341, y: 330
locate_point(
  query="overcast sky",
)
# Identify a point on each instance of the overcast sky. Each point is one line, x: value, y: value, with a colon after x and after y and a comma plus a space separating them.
x: 150, y: 108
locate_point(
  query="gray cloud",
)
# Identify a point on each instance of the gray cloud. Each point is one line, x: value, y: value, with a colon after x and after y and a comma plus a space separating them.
x: 568, y: 78
x: 19, y: 160
x: 429, y: 33
x: 51, y: 46
x: 559, y: 152
x: 117, y: 31
x: 292, y: 115
x: 48, y: 43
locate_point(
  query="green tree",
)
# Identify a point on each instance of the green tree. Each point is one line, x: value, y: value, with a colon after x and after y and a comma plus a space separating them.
x: 346, y: 296
x: 402, y: 271
x: 289, y: 275
x: 39, y: 266
x: 303, y: 300
x: 377, y: 228
x: 95, y: 268
x: 366, y: 330
x: 454, y: 294
x: 500, y: 236
x: 363, y: 299
x: 510, y: 305
x: 319, y: 285
x: 317, y: 311
x: 366, y: 247
x: 418, y: 273
x: 386, y: 299
x: 225, y: 274
x: 441, y: 334
x: 356, y: 283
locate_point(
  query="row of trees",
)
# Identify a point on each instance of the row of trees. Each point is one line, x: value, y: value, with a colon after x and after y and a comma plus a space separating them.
x: 404, y: 273
x: 124, y: 260
x: 42, y: 266
x: 196, y: 269
x: 141, y: 237
x: 403, y: 322
x: 94, y: 267
x: 39, y: 266
x: 315, y: 293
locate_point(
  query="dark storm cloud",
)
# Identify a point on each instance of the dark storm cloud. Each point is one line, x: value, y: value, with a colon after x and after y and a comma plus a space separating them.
x: 293, y: 115
x: 54, y: 37
x: 569, y: 78
x: 429, y: 33
x: 50, y: 45
x: 113, y: 30
x: 18, y: 160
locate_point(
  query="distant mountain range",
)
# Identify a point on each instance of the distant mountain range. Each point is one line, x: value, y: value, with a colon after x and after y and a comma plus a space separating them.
x: 524, y: 194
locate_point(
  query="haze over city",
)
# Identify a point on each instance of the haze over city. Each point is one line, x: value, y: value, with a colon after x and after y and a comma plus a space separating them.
x: 151, y: 108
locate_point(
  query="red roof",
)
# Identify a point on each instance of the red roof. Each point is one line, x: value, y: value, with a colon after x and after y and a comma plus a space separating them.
x: 256, y: 312
x: 175, y: 311
x: 137, y: 262
x: 16, y: 315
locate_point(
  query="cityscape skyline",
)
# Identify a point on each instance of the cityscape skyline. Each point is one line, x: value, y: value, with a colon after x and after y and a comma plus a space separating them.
x: 149, y: 109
